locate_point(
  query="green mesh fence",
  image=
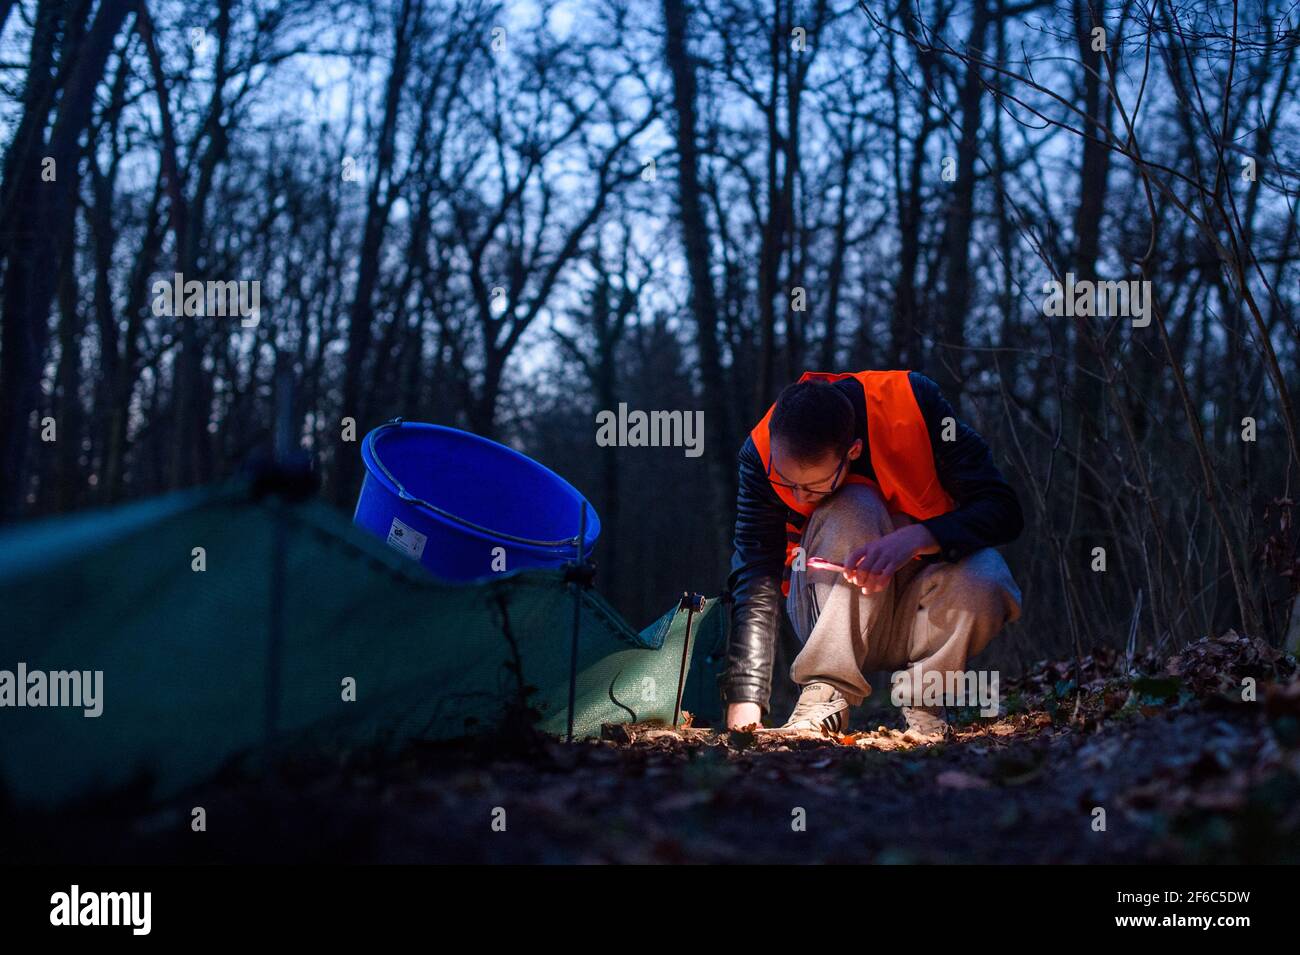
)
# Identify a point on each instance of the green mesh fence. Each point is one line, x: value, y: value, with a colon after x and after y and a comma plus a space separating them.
x: 204, y: 667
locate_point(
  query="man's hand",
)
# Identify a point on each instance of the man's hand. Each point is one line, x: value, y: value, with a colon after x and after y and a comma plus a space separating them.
x: 740, y: 715
x: 874, y: 564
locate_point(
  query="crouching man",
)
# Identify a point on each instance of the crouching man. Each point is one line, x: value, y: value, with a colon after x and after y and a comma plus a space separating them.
x: 873, y: 471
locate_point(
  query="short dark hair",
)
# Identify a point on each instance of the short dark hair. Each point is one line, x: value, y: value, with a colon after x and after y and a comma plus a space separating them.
x: 812, y: 419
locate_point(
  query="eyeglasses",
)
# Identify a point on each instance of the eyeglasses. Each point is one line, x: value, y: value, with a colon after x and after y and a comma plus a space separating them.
x: 834, y: 479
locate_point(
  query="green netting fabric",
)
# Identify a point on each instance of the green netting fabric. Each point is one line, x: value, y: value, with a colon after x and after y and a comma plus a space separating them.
x: 199, y: 667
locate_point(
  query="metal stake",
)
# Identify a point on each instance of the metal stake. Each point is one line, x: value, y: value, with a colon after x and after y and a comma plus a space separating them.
x: 692, y: 604
x: 282, y: 446
x: 577, y: 618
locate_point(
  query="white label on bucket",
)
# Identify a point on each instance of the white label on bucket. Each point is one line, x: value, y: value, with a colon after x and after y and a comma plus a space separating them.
x: 406, y: 539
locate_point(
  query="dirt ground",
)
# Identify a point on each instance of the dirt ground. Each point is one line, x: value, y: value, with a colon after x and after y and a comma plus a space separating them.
x: 1184, y: 769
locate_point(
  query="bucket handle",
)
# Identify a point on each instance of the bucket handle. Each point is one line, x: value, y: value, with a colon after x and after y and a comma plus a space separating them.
x: 410, y: 498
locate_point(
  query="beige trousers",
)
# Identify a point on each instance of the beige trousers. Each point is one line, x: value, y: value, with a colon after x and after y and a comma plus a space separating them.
x: 933, y: 616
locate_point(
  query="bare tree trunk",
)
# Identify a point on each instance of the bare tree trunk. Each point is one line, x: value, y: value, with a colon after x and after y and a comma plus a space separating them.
x: 773, y: 234
x: 695, y: 238
x: 68, y: 479
x: 835, y: 274
x: 961, y: 215
x: 905, y: 343
x: 379, y: 204
x: 1089, y: 410
x: 32, y: 212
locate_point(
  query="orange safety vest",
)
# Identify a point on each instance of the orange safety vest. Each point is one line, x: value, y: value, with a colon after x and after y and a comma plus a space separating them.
x: 899, y: 447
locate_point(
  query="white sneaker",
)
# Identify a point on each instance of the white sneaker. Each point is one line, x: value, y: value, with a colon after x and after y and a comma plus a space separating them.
x: 820, y: 706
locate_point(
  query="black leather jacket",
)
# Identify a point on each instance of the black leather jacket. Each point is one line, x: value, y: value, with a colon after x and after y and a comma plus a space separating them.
x: 987, y: 514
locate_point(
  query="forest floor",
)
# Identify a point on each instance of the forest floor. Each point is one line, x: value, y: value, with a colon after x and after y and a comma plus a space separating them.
x: 1184, y: 769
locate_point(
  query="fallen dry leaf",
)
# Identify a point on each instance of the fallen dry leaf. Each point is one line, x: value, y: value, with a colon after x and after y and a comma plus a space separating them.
x: 850, y: 739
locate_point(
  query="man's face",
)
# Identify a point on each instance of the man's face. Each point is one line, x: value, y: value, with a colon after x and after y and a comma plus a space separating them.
x: 812, y: 481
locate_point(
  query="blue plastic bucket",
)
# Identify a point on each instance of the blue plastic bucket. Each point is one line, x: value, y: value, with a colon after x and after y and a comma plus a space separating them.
x: 466, y: 507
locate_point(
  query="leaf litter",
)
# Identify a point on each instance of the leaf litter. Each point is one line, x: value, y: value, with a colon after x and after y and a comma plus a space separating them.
x: 1186, y: 769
